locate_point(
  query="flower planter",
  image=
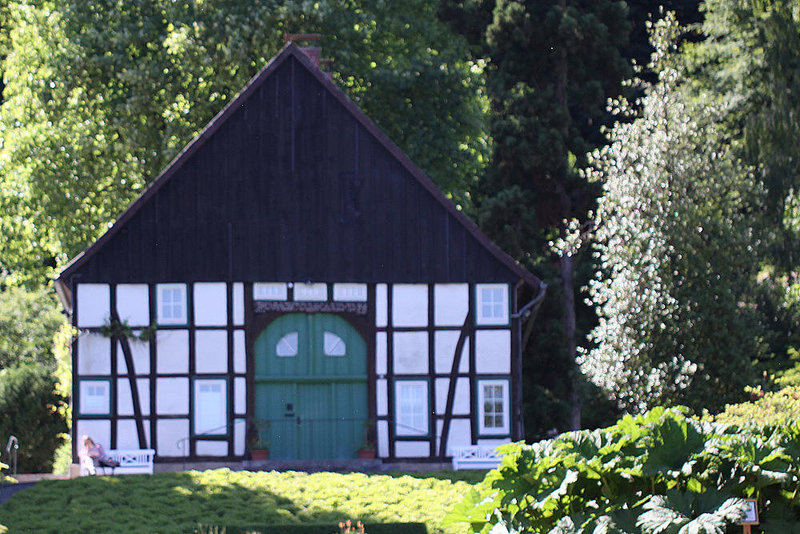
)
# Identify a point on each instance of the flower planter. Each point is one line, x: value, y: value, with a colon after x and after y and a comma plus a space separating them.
x: 366, y: 454
x: 259, y: 454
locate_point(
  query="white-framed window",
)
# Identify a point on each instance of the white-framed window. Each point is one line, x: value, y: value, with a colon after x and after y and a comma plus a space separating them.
x: 334, y: 345
x: 411, y: 408
x: 271, y: 291
x: 210, y: 415
x: 493, y: 406
x: 95, y: 397
x: 172, y: 304
x: 286, y: 347
x: 492, y: 305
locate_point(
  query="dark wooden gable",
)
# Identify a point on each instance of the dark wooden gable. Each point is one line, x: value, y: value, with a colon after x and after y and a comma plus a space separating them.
x: 291, y: 182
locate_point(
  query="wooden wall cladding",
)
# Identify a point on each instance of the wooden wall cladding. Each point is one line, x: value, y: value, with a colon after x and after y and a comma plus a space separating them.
x: 292, y: 186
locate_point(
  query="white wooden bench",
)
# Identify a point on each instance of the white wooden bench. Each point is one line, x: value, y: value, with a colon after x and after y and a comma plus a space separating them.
x: 131, y: 462
x: 475, y: 457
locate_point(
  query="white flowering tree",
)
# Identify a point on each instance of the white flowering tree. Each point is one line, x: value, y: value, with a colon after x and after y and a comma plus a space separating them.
x: 676, y: 252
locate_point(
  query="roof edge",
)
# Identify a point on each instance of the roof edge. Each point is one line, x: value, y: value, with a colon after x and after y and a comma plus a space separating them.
x: 292, y: 50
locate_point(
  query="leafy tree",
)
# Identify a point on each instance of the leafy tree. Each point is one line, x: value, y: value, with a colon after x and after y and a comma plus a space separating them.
x: 750, y: 57
x: 28, y: 322
x: 31, y: 412
x: 676, y: 250
x: 551, y: 65
x: 100, y: 97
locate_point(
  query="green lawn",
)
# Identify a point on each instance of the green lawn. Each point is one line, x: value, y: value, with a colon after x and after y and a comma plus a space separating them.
x: 178, y: 502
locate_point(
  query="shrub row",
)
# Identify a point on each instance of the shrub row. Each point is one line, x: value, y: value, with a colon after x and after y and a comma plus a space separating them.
x: 370, y: 528
x: 179, y: 502
x: 663, y: 472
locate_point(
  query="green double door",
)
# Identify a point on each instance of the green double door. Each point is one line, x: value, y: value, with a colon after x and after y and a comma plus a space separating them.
x: 311, y: 387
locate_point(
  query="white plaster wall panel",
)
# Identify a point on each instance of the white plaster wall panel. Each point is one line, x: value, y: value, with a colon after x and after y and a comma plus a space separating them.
x: 383, y: 439
x: 410, y: 351
x: 239, y: 396
x: 125, y: 399
x: 310, y: 292
x: 94, y: 355
x: 238, y: 304
x: 450, y: 304
x: 412, y: 449
x: 381, y: 308
x: 461, y: 399
x: 381, y: 397
x: 94, y: 302
x: 272, y: 291
x: 239, y: 352
x: 410, y: 305
x: 239, y: 431
x: 140, y: 351
x: 212, y: 448
x: 439, y: 427
x: 97, y: 429
x: 133, y: 304
x: 128, y: 436
x: 172, y: 396
x: 459, y: 435
x: 211, y: 351
x: 444, y: 346
x: 210, y: 304
x: 380, y: 354
x: 493, y: 351
x: 171, y: 432
x: 493, y: 442
x: 350, y: 292
x: 172, y: 351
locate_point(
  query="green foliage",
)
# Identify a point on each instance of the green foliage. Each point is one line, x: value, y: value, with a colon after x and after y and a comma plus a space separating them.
x: 372, y: 528
x: 62, y: 458
x: 676, y: 247
x: 28, y: 322
x: 749, y: 59
x: 550, y: 68
x: 180, y: 502
x: 771, y: 408
x: 99, y: 99
x: 30, y: 408
x: 662, y: 472
x: 114, y: 328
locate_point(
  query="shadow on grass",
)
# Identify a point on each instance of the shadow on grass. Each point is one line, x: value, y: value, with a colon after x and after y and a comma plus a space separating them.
x: 180, y: 502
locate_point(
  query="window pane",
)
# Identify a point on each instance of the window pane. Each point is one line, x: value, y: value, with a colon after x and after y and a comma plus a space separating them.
x: 210, y: 408
x: 287, y: 345
x: 412, y: 408
x: 493, y: 405
x: 334, y: 345
x: 95, y: 398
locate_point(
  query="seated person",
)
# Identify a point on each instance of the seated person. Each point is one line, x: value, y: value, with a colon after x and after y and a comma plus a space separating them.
x: 94, y: 455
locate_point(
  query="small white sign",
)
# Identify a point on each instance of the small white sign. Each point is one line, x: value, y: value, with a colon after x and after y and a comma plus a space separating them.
x: 751, y: 517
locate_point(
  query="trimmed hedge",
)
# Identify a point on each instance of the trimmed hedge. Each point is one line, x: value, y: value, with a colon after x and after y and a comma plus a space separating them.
x: 181, y: 502
x: 371, y: 528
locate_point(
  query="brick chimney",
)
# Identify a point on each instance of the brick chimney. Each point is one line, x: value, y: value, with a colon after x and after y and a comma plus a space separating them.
x: 312, y: 52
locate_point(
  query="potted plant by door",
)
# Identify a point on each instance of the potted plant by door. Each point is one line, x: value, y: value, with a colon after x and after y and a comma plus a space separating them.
x: 260, y: 451
x: 367, y: 449
x: 259, y: 446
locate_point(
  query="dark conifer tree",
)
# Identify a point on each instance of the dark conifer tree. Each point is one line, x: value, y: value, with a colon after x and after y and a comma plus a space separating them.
x: 551, y: 67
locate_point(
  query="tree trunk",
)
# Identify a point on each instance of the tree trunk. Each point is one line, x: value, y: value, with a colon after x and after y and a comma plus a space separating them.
x: 566, y: 262
x: 567, y: 271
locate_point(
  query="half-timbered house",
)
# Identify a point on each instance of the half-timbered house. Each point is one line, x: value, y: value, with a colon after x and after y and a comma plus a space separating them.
x: 295, y: 273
